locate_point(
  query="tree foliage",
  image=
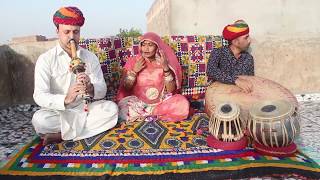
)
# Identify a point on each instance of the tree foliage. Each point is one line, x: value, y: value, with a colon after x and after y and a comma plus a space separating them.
x: 129, y: 33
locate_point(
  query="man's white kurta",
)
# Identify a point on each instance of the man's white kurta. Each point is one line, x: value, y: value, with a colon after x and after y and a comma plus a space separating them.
x: 52, y: 81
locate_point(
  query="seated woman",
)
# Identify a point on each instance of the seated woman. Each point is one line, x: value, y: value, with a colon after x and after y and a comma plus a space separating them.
x: 150, y: 82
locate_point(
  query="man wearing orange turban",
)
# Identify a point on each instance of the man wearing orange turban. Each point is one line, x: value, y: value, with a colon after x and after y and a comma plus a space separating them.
x: 59, y: 91
x: 229, y: 64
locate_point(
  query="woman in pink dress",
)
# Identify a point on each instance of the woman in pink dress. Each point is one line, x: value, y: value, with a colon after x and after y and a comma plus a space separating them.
x: 149, y: 84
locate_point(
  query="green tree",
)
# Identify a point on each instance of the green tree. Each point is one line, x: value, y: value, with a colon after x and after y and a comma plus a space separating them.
x: 130, y: 33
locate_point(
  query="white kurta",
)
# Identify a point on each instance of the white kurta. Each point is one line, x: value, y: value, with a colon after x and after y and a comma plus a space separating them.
x: 52, y: 82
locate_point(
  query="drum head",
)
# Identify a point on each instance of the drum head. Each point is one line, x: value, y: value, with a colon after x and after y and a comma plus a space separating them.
x: 227, y: 110
x: 268, y: 110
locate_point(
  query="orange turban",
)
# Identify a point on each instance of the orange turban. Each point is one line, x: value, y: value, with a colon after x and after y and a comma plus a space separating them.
x: 68, y: 16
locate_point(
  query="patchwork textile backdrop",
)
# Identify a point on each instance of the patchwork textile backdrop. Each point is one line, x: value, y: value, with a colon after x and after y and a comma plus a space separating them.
x: 193, y: 53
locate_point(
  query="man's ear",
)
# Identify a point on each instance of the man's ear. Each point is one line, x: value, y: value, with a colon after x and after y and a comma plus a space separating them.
x: 57, y: 29
x: 235, y: 41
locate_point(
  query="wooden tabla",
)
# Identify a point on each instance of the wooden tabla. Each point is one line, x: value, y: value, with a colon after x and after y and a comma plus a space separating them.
x: 263, y: 89
x: 225, y: 123
x: 226, y: 129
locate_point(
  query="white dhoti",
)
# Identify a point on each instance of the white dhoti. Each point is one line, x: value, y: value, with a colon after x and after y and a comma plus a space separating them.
x: 74, y: 123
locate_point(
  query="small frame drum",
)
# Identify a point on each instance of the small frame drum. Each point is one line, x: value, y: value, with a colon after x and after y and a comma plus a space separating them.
x: 274, y: 124
x: 225, y: 123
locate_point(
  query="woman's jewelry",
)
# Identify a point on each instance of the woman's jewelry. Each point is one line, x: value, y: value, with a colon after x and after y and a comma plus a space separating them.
x: 168, y: 73
x: 168, y: 77
x: 131, y: 77
x: 132, y: 72
x: 166, y: 70
x: 152, y: 93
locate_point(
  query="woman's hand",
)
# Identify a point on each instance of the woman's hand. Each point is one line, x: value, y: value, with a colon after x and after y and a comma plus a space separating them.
x: 164, y: 61
x: 139, y: 65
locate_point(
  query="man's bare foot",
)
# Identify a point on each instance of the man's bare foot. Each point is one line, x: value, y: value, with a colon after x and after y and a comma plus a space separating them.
x: 51, y: 138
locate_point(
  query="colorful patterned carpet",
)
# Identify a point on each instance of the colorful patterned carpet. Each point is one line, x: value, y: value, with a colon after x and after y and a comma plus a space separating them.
x: 155, y: 150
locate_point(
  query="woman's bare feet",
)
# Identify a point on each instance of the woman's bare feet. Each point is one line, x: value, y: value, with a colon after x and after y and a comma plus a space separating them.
x: 51, y: 138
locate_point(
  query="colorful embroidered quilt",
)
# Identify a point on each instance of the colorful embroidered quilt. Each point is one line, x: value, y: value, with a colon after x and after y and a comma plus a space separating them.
x: 157, y: 149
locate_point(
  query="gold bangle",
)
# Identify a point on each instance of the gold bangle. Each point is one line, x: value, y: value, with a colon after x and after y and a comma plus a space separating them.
x: 132, y: 73
x: 167, y: 73
x: 130, y: 77
x: 168, y: 78
x: 166, y: 70
x: 129, y: 81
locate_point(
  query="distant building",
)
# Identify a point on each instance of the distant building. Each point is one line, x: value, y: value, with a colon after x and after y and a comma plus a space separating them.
x: 285, y: 18
x: 34, y: 38
x: 159, y: 17
x: 52, y: 39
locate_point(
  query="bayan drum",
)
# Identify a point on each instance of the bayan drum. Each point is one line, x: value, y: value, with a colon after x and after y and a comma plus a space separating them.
x: 274, y: 125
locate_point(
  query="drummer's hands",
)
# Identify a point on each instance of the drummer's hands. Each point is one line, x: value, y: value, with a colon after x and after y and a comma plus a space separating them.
x: 243, y: 84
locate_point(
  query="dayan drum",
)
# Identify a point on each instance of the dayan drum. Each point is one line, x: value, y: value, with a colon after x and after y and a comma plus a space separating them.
x: 274, y: 125
x: 225, y: 124
x: 226, y: 128
x: 263, y: 89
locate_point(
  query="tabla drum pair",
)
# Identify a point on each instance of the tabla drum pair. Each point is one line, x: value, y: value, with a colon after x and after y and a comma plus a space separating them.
x: 273, y: 125
x: 264, y: 92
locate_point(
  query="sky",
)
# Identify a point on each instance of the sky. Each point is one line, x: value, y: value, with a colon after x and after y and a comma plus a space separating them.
x: 103, y: 17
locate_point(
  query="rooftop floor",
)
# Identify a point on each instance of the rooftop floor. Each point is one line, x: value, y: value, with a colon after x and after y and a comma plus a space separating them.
x: 17, y: 130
